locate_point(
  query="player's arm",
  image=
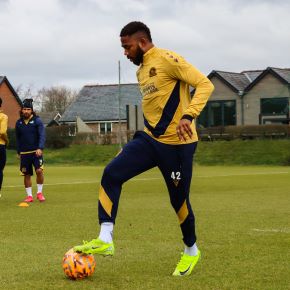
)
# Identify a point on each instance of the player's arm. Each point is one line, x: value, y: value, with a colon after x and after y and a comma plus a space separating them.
x: 41, y: 137
x: 3, y: 128
x: 184, y: 71
x: 3, y: 125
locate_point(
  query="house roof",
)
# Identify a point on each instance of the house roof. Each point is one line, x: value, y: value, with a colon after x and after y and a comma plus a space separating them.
x: 283, y: 74
x: 237, y: 81
x: 4, y: 79
x: 100, y: 103
x: 252, y: 74
x: 47, y: 117
x: 245, y: 80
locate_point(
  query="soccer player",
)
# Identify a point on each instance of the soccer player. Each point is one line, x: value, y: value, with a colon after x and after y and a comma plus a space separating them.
x: 30, y: 139
x: 3, y: 142
x: 168, y: 141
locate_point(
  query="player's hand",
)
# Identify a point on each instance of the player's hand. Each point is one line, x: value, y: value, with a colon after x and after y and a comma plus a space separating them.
x: 38, y: 152
x: 18, y: 156
x: 183, y: 129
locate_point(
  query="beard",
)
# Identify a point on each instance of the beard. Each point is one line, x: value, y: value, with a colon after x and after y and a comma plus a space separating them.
x: 26, y: 116
x: 138, y: 59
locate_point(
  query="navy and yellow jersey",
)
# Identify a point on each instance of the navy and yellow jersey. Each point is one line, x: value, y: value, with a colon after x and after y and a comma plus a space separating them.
x: 164, y: 79
x: 3, y: 128
x: 30, y: 135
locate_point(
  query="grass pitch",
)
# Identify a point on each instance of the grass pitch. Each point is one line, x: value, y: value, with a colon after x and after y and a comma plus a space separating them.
x: 243, y: 228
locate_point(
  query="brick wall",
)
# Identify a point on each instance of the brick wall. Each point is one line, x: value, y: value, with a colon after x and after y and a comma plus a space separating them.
x: 10, y: 106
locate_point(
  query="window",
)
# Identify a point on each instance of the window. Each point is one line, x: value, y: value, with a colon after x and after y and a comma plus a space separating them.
x: 229, y: 114
x: 218, y: 113
x: 275, y: 106
x: 105, y: 127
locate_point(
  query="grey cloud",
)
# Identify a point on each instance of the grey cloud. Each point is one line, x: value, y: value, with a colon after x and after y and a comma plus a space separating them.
x: 74, y: 42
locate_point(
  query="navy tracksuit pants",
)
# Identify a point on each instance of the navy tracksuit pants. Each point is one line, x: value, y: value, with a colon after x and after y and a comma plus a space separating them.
x: 2, y: 162
x: 139, y: 155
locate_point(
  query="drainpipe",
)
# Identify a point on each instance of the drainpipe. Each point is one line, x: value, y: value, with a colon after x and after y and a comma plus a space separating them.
x: 241, y: 95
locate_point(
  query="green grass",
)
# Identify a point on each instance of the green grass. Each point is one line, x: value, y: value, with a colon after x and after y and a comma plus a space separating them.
x: 237, y: 152
x: 243, y: 229
x: 248, y: 152
x: 76, y: 154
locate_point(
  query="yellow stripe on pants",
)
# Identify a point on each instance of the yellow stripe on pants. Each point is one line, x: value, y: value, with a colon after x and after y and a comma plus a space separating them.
x: 105, y: 201
x: 182, y: 213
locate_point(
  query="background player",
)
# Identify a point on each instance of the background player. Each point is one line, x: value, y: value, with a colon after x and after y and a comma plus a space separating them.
x: 30, y: 139
x: 3, y: 142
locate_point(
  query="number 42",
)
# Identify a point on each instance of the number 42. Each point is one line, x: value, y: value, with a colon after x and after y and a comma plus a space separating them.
x: 175, y: 175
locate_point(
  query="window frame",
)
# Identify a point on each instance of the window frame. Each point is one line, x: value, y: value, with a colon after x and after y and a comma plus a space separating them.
x: 206, y: 110
x: 273, y: 113
x: 108, y: 127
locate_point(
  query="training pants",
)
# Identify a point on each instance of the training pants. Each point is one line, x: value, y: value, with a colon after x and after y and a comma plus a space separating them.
x: 2, y: 162
x: 139, y: 155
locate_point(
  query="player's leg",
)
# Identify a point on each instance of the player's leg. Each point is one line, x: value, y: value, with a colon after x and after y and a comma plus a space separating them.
x: 27, y: 172
x: 2, y: 162
x: 136, y: 157
x: 177, y: 172
x: 38, y: 166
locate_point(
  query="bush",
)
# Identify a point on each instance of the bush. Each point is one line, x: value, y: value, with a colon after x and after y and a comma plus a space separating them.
x: 59, y: 137
x: 12, y: 139
x: 100, y: 139
x: 56, y: 137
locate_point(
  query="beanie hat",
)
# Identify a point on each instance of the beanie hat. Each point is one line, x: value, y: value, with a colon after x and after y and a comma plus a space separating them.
x: 27, y: 103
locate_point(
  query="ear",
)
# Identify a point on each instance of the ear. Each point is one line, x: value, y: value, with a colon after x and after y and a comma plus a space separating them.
x: 142, y: 43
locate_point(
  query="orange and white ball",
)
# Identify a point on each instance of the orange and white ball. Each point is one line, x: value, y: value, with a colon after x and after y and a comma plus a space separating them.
x: 77, y: 265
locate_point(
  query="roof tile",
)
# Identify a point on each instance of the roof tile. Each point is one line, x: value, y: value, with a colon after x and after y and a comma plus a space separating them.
x: 100, y: 103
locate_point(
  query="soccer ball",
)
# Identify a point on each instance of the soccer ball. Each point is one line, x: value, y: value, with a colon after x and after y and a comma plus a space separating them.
x: 77, y: 265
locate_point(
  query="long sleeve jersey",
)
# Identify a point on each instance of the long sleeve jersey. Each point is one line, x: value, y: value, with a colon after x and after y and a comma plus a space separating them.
x: 164, y: 79
x: 3, y: 128
x: 30, y: 135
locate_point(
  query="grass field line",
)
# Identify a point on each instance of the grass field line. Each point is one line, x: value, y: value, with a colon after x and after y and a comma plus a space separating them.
x: 154, y: 178
x: 82, y: 182
x: 287, y: 231
x: 59, y: 183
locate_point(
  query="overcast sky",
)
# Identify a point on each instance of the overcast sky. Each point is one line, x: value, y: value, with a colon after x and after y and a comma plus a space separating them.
x: 76, y: 42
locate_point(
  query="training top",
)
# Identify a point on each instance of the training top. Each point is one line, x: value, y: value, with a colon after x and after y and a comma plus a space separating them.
x: 164, y: 80
x: 3, y: 128
x: 30, y: 135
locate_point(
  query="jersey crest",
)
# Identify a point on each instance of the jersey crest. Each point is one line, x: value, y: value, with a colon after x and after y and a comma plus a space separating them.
x: 152, y: 72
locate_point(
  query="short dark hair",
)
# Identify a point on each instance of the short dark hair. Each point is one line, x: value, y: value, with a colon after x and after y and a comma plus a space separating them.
x: 0, y: 102
x: 136, y: 26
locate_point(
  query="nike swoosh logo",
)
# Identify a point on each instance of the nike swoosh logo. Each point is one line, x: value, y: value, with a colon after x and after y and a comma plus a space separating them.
x: 96, y: 247
x: 184, y: 272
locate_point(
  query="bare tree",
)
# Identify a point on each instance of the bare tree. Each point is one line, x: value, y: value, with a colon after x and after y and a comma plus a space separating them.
x: 56, y: 98
x: 27, y: 92
x: 24, y: 92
